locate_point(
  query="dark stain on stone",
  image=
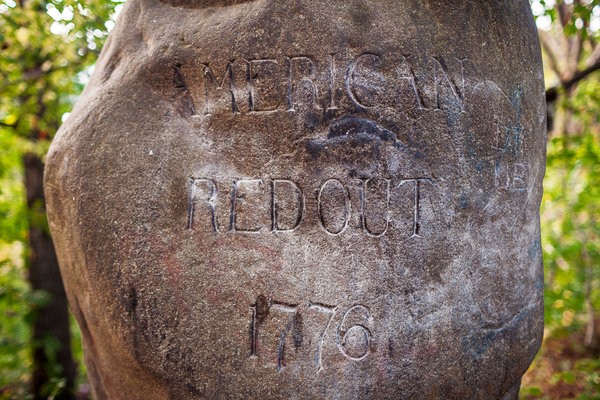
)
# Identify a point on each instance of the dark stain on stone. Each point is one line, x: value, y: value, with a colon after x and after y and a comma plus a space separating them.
x: 314, y: 148
x: 194, y: 390
x: 480, y: 165
x: 390, y: 348
x: 351, y: 125
x: 437, y: 9
x: 480, y: 341
x: 361, y: 17
x: 463, y: 203
x: 355, y: 132
x: 534, y: 249
x: 311, y: 121
x: 131, y: 302
x: 297, y: 335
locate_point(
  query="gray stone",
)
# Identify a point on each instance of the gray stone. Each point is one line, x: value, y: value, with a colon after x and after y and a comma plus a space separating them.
x: 306, y: 199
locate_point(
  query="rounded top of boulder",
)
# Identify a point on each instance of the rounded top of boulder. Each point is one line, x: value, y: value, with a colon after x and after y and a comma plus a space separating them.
x: 203, y: 3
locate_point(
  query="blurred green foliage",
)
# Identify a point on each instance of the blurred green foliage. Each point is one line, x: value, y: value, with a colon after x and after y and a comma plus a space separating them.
x: 570, y: 206
x: 570, y: 209
x: 15, y: 296
x: 568, y: 366
x: 46, y: 51
x: 46, y: 48
x: 570, y: 236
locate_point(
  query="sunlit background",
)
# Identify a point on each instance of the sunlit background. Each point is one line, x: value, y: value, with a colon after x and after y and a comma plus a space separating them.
x: 47, y: 54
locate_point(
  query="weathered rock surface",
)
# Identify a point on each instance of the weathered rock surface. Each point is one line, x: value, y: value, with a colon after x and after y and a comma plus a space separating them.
x: 306, y: 199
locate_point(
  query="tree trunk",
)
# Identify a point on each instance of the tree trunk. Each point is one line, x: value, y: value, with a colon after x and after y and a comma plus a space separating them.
x: 591, y: 340
x: 51, y: 320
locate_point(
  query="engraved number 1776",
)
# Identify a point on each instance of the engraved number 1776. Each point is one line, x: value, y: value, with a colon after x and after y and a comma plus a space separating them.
x: 344, y: 334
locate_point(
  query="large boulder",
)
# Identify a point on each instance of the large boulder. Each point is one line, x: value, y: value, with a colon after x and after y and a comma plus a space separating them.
x: 306, y: 199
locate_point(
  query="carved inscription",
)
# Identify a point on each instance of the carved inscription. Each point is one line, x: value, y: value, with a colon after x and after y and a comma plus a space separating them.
x: 328, y: 82
x: 511, y: 176
x: 372, y: 225
x: 417, y: 193
x: 290, y: 325
x: 280, y: 205
x: 287, y: 206
x: 203, y: 197
x: 330, y: 312
x: 352, y: 337
x: 333, y: 217
x: 244, y: 189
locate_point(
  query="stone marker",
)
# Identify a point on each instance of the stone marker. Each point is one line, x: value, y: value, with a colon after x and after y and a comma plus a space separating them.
x: 306, y: 200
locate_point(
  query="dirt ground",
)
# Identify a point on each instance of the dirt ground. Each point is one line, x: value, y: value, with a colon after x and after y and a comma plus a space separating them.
x: 563, y: 369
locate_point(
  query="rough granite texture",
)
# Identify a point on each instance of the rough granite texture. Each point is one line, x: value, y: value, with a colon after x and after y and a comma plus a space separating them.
x: 306, y: 200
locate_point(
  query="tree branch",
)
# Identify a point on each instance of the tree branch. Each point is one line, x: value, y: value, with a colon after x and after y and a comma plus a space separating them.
x: 552, y: 92
x: 551, y: 52
x: 575, y: 49
x: 594, y: 57
x: 8, y: 125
